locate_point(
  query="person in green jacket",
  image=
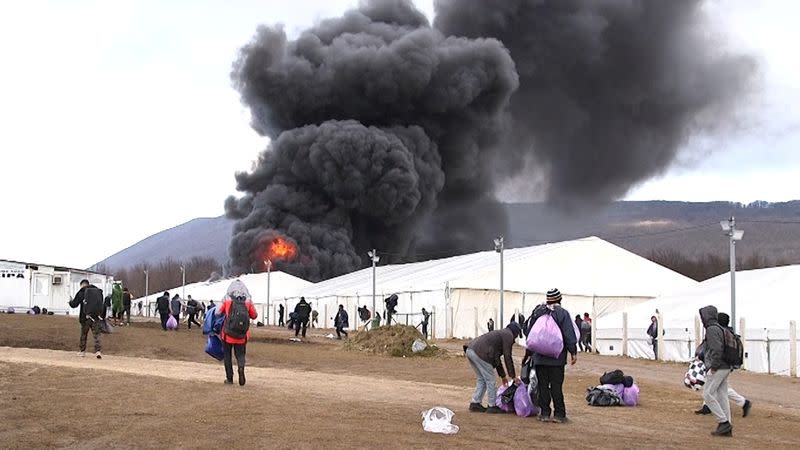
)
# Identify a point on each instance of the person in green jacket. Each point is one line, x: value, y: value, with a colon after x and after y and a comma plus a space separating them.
x: 116, y: 304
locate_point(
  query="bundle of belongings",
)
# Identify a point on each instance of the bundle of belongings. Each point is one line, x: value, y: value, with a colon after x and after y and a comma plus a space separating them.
x: 615, y: 389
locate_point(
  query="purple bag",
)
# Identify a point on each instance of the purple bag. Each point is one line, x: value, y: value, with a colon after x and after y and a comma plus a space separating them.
x: 523, y: 405
x: 545, y: 337
x: 630, y: 395
x: 507, y: 407
x: 618, y: 388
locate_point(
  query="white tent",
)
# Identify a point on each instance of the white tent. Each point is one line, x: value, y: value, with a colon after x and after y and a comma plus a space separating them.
x: 463, y: 291
x: 766, y: 298
x: 281, y: 286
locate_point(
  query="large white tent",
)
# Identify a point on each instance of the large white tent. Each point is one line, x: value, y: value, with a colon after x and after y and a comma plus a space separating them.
x: 767, y: 300
x: 463, y: 291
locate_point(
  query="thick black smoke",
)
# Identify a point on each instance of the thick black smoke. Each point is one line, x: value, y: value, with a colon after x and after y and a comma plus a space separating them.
x: 384, y: 136
x: 610, y: 91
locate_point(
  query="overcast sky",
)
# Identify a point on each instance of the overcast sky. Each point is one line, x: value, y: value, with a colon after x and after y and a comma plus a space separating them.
x: 118, y: 120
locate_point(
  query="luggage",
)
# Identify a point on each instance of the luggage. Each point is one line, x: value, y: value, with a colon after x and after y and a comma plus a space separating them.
x: 602, y: 396
x: 505, y: 397
x: 695, y: 376
x: 630, y: 395
x: 613, y: 377
x: 238, y: 321
x: 92, y: 302
x: 214, y: 347
x: 212, y: 324
x: 172, y: 324
x: 523, y: 404
x: 545, y: 337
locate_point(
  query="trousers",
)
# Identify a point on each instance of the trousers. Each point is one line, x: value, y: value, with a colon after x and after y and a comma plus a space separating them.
x: 240, y: 350
x: 93, y: 325
x: 550, y: 384
x: 486, y: 382
x: 715, y: 394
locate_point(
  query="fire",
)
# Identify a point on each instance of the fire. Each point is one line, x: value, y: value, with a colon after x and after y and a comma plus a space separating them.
x: 280, y: 248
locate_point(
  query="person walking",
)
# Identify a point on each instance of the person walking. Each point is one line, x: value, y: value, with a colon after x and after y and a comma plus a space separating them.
x: 175, y: 308
x: 191, y: 310
x: 281, y: 310
x: 578, y: 323
x: 162, y: 307
x: 90, y: 300
x: 341, y: 321
x: 139, y: 306
x: 116, y: 304
x: 715, y: 390
x: 425, y: 318
x: 484, y: 355
x: 303, y: 310
x: 238, y: 309
x: 652, y: 331
x: 490, y: 324
x: 586, y: 332
x: 735, y: 397
x: 314, y: 318
x: 126, y: 305
x: 550, y: 371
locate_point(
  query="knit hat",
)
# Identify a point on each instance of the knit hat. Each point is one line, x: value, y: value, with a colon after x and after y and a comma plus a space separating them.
x: 553, y: 296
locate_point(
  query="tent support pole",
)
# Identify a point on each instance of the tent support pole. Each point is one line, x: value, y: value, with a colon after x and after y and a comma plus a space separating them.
x: 792, y: 348
x: 624, y: 334
x: 744, y: 341
x: 660, y: 334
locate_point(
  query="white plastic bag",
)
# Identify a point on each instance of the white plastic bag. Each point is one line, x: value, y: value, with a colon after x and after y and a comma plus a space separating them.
x: 418, y: 346
x: 437, y: 420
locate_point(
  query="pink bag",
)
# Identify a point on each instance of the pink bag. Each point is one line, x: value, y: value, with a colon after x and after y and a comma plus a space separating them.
x: 523, y: 405
x: 630, y: 395
x: 545, y: 337
x: 172, y: 324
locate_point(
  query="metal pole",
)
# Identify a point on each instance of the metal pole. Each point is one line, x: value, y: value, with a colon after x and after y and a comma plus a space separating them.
x: 374, y: 263
x: 146, y: 291
x: 183, y: 286
x: 269, y: 273
x: 501, y: 280
x: 733, y: 274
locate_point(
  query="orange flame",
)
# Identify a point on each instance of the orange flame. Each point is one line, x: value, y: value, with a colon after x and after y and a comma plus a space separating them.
x: 280, y: 248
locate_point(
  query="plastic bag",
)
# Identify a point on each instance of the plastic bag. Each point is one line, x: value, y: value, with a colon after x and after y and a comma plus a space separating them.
x: 214, y: 347
x: 695, y: 377
x: 437, y: 420
x: 418, y: 346
x: 523, y: 404
x: 105, y: 327
x: 505, y: 397
x: 545, y: 337
x: 630, y: 395
x: 172, y: 324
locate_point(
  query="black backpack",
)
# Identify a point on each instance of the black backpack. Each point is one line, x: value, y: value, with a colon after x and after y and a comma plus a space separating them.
x: 613, y: 377
x: 238, y: 320
x: 732, y: 349
x: 92, y: 302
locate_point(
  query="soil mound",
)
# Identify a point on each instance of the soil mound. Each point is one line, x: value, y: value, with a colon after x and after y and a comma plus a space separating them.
x: 391, y: 340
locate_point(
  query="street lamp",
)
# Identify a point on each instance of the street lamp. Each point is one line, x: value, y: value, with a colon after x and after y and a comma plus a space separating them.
x: 373, y: 255
x: 498, y: 247
x: 268, y: 263
x: 729, y: 227
x: 146, y: 289
x: 183, y: 282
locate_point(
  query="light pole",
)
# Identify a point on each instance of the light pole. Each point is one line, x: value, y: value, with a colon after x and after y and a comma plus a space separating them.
x: 183, y: 282
x: 729, y: 227
x: 498, y: 247
x: 373, y: 255
x: 268, y: 263
x: 147, y: 289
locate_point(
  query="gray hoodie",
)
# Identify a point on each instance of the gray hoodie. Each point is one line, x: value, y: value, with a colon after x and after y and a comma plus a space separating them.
x: 715, y: 339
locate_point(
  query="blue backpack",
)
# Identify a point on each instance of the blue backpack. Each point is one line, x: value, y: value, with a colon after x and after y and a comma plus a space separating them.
x: 212, y: 324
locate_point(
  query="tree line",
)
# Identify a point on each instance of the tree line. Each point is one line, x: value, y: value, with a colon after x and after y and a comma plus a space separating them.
x: 164, y: 275
x: 709, y: 265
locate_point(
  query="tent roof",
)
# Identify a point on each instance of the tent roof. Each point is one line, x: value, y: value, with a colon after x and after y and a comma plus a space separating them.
x: 588, y: 266
x: 766, y: 298
x: 281, y: 285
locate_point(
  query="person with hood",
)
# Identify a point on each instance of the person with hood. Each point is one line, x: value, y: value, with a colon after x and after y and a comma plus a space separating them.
x: 303, y: 310
x: 116, y: 304
x: 735, y: 397
x: 652, y: 331
x: 550, y: 371
x: 237, y: 303
x: 162, y: 306
x: 126, y: 305
x: 341, y: 321
x: 191, y: 310
x: 88, y: 321
x: 484, y: 355
x: 715, y: 390
x: 175, y: 308
x: 281, y: 310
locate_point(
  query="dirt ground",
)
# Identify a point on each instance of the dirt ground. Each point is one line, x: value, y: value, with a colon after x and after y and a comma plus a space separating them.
x: 159, y: 389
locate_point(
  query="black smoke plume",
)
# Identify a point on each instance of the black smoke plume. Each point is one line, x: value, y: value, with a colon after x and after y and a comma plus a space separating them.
x: 610, y: 90
x: 384, y: 134
x: 390, y: 133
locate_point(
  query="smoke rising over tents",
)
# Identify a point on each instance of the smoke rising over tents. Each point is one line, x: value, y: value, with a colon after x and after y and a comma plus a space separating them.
x: 393, y: 134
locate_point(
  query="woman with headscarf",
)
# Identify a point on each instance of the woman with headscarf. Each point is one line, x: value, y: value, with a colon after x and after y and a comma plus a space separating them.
x: 238, y: 309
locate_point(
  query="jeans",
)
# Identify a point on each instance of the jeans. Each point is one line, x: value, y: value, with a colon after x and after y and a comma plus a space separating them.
x: 550, y: 383
x: 93, y: 325
x: 715, y: 394
x: 298, y: 324
x: 485, y: 378
x: 239, y: 350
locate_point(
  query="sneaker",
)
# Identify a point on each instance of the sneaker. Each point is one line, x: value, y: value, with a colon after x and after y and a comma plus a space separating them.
x: 228, y: 381
x: 494, y: 410
x: 723, y: 429
x: 557, y: 419
x: 241, y: 377
x: 98, y: 355
x: 544, y: 418
x: 704, y: 411
x: 81, y: 354
x: 746, y: 408
x: 477, y: 407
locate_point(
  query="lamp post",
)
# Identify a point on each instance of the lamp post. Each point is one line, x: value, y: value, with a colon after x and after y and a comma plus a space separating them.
x: 498, y: 247
x: 268, y: 263
x: 183, y: 282
x: 373, y: 255
x: 147, y: 289
x: 729, y: 227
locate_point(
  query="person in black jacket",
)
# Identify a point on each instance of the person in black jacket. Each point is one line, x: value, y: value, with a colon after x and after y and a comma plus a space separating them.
x: 484, y: 355
x: 162, y: 306
x: 88, y: 322
x: 550, y: 371
x: 652, y: 331
x: 191, y: 310
x: 341, y: 321
x: 126, y: 305
x: 303, y: 311
x: 715, y: 389
x: 281, y: 323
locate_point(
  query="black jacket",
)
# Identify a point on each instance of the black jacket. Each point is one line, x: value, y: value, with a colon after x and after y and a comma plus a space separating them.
x: 303, y: 310
x: 494, y: 344
x: 126, y: 300
x: 191, y: 306
x: 562, y: 318
x: 78, y: 301
x: 162, y: 304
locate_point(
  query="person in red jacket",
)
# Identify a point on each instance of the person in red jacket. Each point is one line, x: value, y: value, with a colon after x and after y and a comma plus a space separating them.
x: 237, y: 297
